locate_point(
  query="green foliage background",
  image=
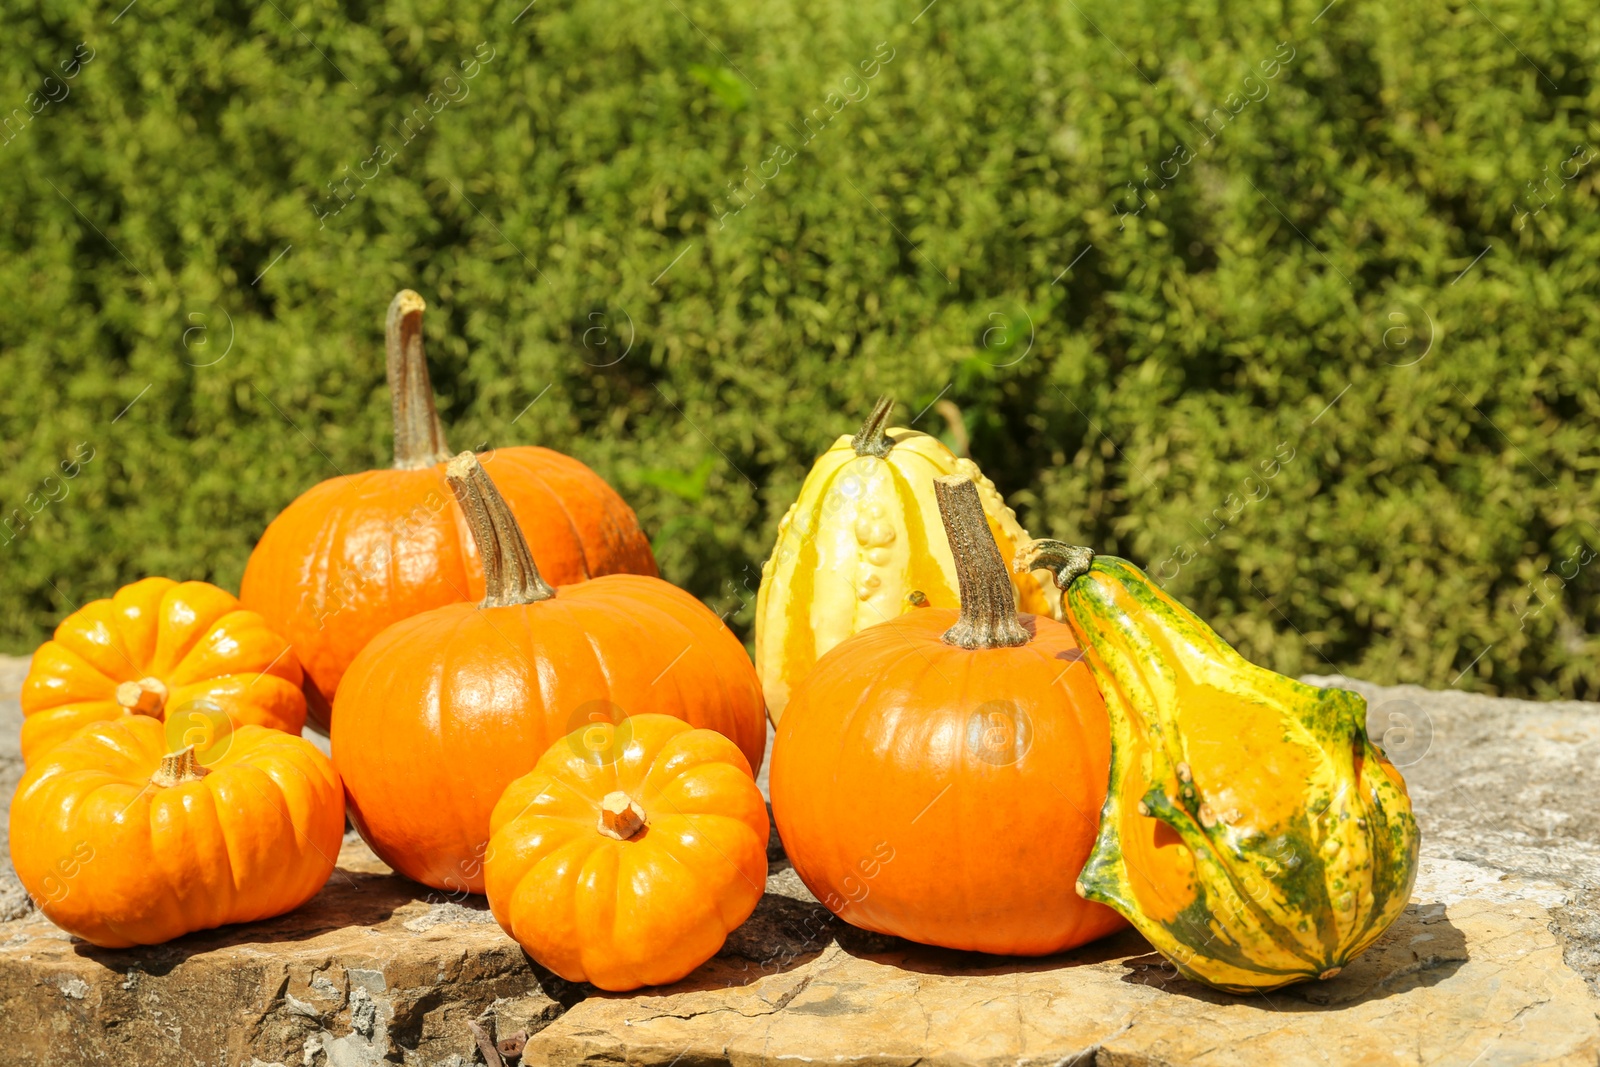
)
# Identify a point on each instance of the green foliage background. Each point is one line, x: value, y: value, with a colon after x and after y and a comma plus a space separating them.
x: 1433, y: 520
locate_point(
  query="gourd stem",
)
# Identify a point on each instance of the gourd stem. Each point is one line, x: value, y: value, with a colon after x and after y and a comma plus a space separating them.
x: 177, y: 768
x: 418, y: 434
x: 1066, y: 562
x: 509, y: 574
x: 988, y: 603
x: 870, y: 440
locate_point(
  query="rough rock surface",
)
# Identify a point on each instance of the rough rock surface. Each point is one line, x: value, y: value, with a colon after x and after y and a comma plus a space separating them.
x: 1495, y: 962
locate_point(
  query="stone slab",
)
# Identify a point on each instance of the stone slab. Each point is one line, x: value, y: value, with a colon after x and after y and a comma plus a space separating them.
x: 1493, y: 963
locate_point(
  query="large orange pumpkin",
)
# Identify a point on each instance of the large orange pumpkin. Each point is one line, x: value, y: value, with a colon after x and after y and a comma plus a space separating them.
x: 155, y: 648
x: 442, y: 711
x: 122, y: 841
x: 939, y: 776
x: 355, y: 553
x: 625, y: 861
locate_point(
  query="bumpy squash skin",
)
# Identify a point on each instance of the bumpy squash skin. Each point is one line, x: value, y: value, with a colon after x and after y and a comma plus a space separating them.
x: 864, y: 534
x: 1276, y: 843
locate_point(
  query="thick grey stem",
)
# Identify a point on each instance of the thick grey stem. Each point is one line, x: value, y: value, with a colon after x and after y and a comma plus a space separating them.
x: 870, y: 440
x: 418, y: 434
x: 1066, y: 562
x: 509, y: 574
x: 988, y: 604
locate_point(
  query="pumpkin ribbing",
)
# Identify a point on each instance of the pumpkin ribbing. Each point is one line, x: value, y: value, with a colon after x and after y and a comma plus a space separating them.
x: 149, y: 650
x: 652, y: 902
x: 161, y: 846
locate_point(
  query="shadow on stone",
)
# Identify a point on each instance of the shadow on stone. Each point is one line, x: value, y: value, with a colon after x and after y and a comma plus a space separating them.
x: 781, y: 935
x: 1422, y: 948
x: 349, y: 899
x: 929, y: 959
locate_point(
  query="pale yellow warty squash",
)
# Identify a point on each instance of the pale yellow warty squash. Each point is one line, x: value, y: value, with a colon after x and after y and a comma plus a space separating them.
x: 864, y: 543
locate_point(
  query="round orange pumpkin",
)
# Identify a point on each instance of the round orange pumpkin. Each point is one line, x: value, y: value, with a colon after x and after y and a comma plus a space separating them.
x: 629, y: 852
x: 123, y: 842
x: 355, y: 553
x: 156, y: 648
x: 442, y: 711
x: 939, y: 776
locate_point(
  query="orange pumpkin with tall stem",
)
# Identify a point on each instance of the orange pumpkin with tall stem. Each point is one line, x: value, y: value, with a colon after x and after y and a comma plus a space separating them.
x: 355, y: 553
x: 442, y: 711
x: 939, y: 776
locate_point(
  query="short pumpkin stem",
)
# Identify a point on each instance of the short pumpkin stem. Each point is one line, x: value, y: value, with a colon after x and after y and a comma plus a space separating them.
x: 510, y: 576
x: 1066, y: 562
x: 418, y: 434
x: 870, y: 440
x: 988, y: 603
x: 177, y: 768
x: 147, y: 696
x: 620, y: 817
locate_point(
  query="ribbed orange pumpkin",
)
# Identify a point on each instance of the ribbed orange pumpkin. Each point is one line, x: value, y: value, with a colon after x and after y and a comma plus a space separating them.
x: 629, y: 853
x: 355, y: 553
x: 122, y: 841
x: 155, y: 647
x: 442, y: 711
x: 939, y: 776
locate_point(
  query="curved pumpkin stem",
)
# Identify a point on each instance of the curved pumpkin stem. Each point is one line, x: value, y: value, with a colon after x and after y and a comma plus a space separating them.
x: 418, y: 434
x: 1066, y: 562
x: 178, y: 767
x: 870, y: 440
x: 988, y: 602
x: 509, y: 574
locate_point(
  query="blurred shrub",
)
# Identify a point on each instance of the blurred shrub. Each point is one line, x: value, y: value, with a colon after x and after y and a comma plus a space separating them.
x: 1358, y: 251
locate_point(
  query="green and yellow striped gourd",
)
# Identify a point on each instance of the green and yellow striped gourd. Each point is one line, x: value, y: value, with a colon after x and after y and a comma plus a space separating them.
x: 1252, y: 831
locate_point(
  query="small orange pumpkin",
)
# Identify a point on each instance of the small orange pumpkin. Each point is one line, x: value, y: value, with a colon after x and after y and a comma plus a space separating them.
x: 355, y: 553
x: 121, y: 841
x: 442, y: 711
x: 629, y: 853
x: 939, y: 776
x: 155, y: 648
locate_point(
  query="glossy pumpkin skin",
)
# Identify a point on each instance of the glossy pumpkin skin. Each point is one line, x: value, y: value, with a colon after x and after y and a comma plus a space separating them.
x: 864, y: 535
x: 1278, y: 843
x: 442, y: 711
x: 192, y: 638
x: 643, y: 911
x: 944, y: 795
x: 356, y: 553
x: 118, y: 861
